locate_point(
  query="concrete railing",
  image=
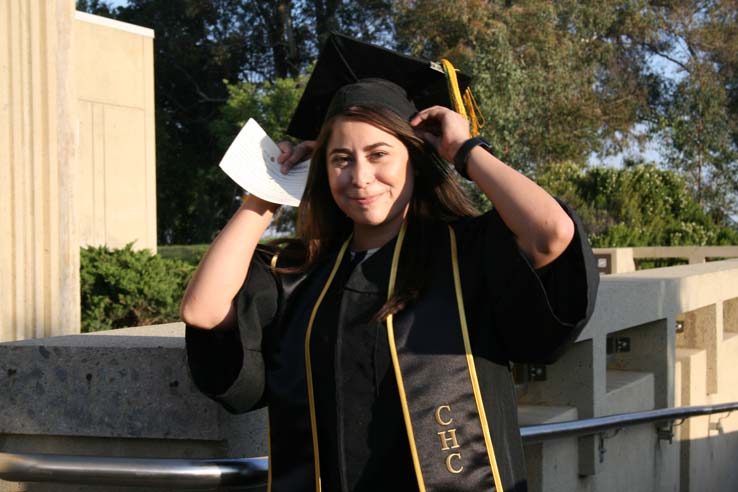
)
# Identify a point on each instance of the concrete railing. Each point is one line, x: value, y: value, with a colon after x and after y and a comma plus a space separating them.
x: 621, y: 260
x: 659, y: 338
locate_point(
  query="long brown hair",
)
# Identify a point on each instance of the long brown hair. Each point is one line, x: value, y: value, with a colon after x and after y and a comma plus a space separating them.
x: 437, y: 197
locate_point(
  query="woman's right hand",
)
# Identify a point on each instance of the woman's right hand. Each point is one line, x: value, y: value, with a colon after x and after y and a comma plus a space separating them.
x: 294, y: 154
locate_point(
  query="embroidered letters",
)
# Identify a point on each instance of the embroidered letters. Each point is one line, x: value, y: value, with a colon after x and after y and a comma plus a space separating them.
x: 448, y: 439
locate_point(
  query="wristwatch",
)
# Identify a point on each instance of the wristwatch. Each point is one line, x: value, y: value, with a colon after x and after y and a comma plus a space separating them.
x: 462, y: 155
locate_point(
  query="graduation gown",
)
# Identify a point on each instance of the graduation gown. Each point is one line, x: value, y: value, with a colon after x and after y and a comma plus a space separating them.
x: 345, y: 406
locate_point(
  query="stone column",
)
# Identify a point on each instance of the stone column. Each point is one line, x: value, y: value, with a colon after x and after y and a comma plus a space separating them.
x: 39, y: 243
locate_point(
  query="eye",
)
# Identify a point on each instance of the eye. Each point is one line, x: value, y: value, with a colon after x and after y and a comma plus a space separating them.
x: 340, y: 160
x: 377, y: 155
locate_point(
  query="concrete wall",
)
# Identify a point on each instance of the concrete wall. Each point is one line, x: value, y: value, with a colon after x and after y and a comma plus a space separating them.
x: 76, y: 155
x: 661, y: 368
x: 120, y: 393
x: 127, y: 393
x: 39, y: 237
x: 621, y: 260
x: 114, y: 77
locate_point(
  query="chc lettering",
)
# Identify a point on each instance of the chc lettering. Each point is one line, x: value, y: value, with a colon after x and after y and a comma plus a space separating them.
x: 449, y: 442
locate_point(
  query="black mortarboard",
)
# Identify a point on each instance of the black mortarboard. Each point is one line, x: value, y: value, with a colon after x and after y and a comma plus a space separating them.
x: 344, y: 60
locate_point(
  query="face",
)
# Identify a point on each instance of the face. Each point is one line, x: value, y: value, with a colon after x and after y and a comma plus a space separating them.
x: 369, y: 175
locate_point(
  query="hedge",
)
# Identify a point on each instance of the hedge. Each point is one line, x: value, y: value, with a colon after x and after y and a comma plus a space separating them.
x: 124, y: 287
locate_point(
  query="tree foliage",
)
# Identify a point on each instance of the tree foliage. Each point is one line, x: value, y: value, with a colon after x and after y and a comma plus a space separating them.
x: 697, y: 115
x: 634, y: 206
x: 558, y: 82
x: 199, y: 45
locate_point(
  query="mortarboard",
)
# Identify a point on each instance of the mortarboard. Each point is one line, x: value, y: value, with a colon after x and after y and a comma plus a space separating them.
x: 352, y: 72
x: 348, y: 72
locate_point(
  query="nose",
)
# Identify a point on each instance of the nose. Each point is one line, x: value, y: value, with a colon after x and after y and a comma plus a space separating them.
x: 363, y: 173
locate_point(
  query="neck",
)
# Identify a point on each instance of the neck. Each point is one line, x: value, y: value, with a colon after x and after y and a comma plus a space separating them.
x: 370, y: 237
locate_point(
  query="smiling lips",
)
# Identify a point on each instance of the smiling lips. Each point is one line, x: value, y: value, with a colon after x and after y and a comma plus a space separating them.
x: 366, y: 200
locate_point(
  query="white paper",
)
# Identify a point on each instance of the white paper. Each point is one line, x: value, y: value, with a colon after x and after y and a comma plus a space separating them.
x: 251, y: 161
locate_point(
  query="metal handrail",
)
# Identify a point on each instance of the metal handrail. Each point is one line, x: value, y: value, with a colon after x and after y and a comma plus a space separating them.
x: 558, y: 430
x: 252, y: 472
x: 137, y: 472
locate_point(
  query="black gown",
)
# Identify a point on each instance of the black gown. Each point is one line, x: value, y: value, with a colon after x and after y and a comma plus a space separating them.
x: 514, y: 313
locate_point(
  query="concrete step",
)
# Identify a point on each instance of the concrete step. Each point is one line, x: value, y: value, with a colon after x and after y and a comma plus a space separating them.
x: 545, y: 414
x: 628, y: 391
x: 686, y: 353
x: 729, y: 336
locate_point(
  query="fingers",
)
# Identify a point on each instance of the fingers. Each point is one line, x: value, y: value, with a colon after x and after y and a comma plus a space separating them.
x: 432, y: 113
x: 285, y: 148
x: 294, y: 154
x: 443, y: 128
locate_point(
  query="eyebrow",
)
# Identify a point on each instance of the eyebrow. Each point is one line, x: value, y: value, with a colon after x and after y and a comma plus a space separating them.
x: 343, y: 150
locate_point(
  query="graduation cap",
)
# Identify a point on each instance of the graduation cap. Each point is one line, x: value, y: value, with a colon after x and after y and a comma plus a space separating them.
x: 351, y: 72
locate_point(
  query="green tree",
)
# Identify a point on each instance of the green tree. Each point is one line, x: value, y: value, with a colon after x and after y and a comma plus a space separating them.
x: 202, y: 43
x: 697, y: 114
x: 634, y: 206
x: 270, y: 103
x: 556, y: 81
x: 98, y: 7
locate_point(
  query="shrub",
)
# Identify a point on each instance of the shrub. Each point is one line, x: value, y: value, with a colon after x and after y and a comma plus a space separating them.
x: 640, y: 205
x: 124, y: 287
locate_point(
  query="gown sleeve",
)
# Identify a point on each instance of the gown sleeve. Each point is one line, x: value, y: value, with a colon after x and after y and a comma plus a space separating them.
x: 537, y: 313
x: 227, y: 365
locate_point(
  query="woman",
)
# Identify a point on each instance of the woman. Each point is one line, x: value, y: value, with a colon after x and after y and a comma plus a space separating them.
x: 390, y: 371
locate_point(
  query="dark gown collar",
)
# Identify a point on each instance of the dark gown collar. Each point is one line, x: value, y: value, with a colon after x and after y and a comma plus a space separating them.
x: 372, y: 275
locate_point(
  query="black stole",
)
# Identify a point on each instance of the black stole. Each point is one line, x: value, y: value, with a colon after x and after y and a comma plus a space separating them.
x: 441, y: 401
x: 442, y: 404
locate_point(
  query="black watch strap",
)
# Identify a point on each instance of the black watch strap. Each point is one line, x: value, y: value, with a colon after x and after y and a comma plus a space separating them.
x: 462, y: 155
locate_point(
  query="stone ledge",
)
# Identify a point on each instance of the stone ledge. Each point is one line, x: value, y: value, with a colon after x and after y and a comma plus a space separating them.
x: 128, y: 383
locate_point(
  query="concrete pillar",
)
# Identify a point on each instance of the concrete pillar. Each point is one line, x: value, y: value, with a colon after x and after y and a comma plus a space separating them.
x: 730, y: 315
x: 703, y: 329
x: 696, y: 258
x: 615, y: 260
x: 39, y: 243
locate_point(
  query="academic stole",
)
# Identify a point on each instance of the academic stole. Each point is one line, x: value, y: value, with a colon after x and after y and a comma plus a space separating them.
x: 439, y: 391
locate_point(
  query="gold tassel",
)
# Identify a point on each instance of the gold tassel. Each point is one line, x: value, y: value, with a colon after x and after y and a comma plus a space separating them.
x: 465, y: 105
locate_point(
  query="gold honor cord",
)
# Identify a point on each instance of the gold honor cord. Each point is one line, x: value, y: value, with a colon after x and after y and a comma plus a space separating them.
x: 308, y: 368
x: 269, y: 451
x: 396, y: 361
x: 470, y: 361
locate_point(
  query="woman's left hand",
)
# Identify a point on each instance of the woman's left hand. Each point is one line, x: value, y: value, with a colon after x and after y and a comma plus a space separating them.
x: 541, y: 227
x: 443, y: 128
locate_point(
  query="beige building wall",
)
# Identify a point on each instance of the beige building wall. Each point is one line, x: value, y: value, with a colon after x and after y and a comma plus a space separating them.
x: 76, y: 155
x: 39, y: 240
x: 114, y: 78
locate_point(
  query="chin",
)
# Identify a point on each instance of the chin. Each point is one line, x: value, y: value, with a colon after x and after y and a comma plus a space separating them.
x: 370, y: 220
